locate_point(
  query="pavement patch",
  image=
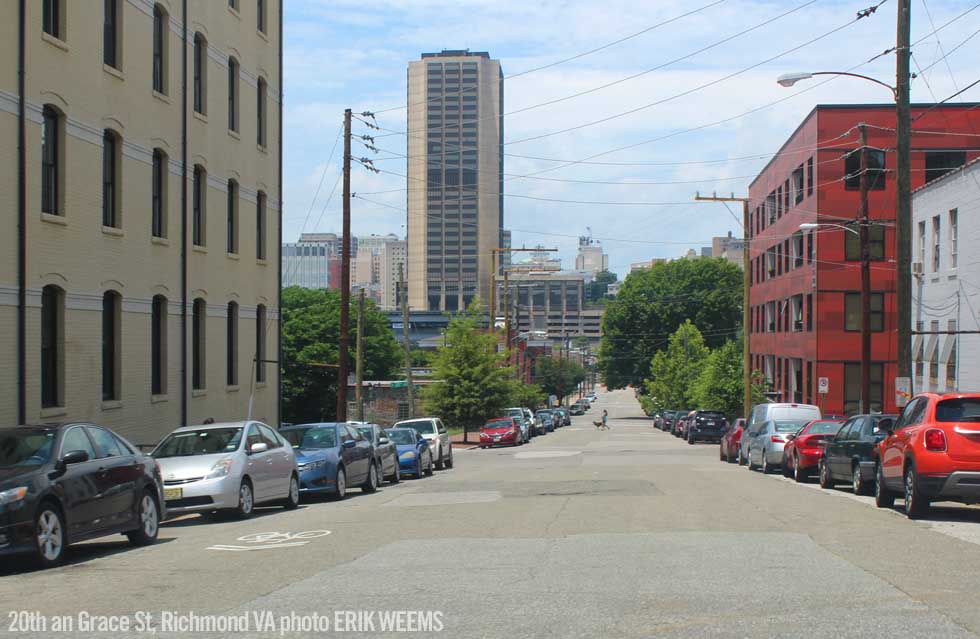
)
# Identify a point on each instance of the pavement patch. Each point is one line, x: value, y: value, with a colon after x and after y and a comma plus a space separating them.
x: 546, y: 454
x: 445, y: 498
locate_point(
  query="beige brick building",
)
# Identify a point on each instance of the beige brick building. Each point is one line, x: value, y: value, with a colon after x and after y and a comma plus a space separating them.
x: 140, y: 164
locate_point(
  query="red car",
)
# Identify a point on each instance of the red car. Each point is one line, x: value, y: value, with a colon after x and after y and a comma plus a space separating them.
x: 499, y: 431
x: 730, y: 440
x: 801, y: 455
x: 931, y: 454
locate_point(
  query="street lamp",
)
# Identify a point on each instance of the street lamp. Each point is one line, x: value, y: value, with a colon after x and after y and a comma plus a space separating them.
x: 903, y: 185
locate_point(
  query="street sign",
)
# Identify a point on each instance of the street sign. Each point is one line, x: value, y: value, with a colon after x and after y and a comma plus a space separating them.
x: 823, y: 385
x: 903, y: 391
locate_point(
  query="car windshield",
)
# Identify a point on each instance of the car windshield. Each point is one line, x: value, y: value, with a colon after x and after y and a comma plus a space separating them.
x: 367, y: 432
x: 313, y: 437
x: 516, y: 412
x: 401, y: 436
x: 206, y: 441
x: 711, y: 416
x: 19, y: 449
x: 963, y: 409
x: 424, y: 426
x: 823, y: 428
x: 788, y: 426
x: 499, y: 423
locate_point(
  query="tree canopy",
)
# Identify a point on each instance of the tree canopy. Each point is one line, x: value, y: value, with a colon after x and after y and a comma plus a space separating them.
x: 559, y: 377
x: 310, y: 334
x: 597, y: 291
x: 653, y: 302
x: 673, y: 371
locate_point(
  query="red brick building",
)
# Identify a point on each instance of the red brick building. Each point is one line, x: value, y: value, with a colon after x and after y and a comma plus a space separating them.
x: 805, y: 285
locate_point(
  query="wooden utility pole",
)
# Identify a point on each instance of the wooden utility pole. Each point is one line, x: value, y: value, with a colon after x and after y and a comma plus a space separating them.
x: 903, y: 190
x: 359, y: 370
x: 746, y: 283
x: 409, y: 387
x: 343, y: 344
x: 865, y: 279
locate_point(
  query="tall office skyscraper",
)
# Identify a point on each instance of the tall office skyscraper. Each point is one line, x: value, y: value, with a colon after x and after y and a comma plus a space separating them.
x: 455, y: 177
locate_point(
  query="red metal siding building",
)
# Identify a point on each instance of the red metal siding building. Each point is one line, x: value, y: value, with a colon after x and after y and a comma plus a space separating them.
x: 805, y: 285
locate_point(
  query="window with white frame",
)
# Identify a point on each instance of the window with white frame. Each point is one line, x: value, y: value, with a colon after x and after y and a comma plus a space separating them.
x: 936, y: 243
x: 953, y: 232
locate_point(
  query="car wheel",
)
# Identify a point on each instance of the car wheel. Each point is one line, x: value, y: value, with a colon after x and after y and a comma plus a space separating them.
x: 396, y: 476
x: 341, y: 483
x: 858, y: 485
x: 49, y: 535
x: 884, y: 498
x: 798, y: 473
x: 721, y: 454
x: 370, y: 484
x: 766, y: 468
x: 439, y: 463
x: 690, y: 441
x: 784, y: 467
x: 148, y: 518
x: 428, y: 469
x: 748, y: 460
x: 292, y: 499
x: 449, y: 462
x: 826, y: 481
x: 915, y: 504
x: 418, y: 468
x: 741, y: 458
x: 246, y: 500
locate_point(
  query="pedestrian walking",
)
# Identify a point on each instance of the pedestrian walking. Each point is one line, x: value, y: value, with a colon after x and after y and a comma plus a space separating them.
x: 605, y: 419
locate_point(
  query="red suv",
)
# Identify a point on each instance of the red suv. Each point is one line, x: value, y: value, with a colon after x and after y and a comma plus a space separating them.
x: 932, y: 454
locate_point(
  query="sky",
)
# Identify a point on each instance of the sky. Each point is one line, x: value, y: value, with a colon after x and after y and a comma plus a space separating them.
x: 680, y: 94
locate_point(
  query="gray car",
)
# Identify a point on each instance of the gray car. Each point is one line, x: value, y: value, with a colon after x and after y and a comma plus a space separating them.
x: 232, y: 466
x: 385, y: 452
x: 765, y: 446
x: 436, y: 434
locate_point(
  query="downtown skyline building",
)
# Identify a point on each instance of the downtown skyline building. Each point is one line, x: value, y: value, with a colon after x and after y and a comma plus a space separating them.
x: 455, y: 174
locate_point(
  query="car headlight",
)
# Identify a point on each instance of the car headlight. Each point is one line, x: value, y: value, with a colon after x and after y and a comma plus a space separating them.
x: 13, y: 495
x: 312, y: 465
x: 221, y: 468
x: 407, y: 455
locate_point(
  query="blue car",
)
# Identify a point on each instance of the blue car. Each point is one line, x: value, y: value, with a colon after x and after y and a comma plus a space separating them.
x: 332, y: 456
x: 414, y: 456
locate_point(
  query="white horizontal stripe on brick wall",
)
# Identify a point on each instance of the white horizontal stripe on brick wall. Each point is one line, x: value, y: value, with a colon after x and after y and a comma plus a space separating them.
x: 75, y: 301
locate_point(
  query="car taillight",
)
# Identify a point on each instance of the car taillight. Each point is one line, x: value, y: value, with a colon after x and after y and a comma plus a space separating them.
x: 935, y: 440
x: 776, y: 439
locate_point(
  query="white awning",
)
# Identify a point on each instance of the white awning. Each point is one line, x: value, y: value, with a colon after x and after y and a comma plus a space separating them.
x: 917, y: 348
x: 932, y: 348
x: 948, y: 345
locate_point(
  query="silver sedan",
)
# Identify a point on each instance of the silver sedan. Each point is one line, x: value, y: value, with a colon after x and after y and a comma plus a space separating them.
x: 765, y: 449
x: 232, y: 466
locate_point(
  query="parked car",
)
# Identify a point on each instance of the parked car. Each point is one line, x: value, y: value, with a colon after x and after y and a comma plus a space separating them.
x: 706, y: 425
x: 230, y: 466
x: 729, y: 441
x: 532, y: 423
x: 521, y: 419
x: 500, y: 431
x: 331, y: 457
x: 803, y: 451
x: 680, y: 426
x: 765, y: 448
x: 385, y: 455
x: 592, y: 397
x: 547, y: 420
x: 762, y: 413
x: 932, y: 453
x: 62, y: 484
x: 433, y: 430
x: 667, y: 420
x: 852, y: 453
x: 414, y: 455
x: 576, y: 409
x: 566, y: 418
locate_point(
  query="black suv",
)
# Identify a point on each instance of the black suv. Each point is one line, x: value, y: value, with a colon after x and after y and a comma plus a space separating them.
x: 706, y: 426
x: 851, y: 454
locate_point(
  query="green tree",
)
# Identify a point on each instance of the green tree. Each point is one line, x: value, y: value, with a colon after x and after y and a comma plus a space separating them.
x: 558, y: 377
x: 527, y: 395
x: 473, y: 382
x: 653, y: 302
x: 597, y: 291
x: 719, y: 386
x: 674, y: 370
x: 310, y: 333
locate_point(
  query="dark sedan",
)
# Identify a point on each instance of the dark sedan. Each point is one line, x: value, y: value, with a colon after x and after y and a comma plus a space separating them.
x: 385, y: 453
x: 64, y: 483
x: 852, y: 453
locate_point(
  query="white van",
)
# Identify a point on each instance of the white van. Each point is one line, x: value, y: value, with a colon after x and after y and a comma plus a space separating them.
x: 762, y: 413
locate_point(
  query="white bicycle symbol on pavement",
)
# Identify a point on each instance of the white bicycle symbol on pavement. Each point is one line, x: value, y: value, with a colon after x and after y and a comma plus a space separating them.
x: 282, y: 537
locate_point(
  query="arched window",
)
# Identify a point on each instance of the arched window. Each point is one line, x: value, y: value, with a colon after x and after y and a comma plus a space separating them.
x: 198, y: 345
x: 111, y: 342
x: 51, y: 160
x: 52, y: 346
x: 200, y: 74
x: 199, y: 206
x: 111, y: 174
x: 160, y: 40
x: 260, y: 328
x: 158, y: 345
x: 231, y: 333
x: 158, y: 203
x: 232, y: 217
x: 233, y: 74
x: 260, y: 112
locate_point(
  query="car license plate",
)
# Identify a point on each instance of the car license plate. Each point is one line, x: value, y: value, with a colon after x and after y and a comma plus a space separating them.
x: 709, y: 423
x: 171, y: 494
x: 496, y: 438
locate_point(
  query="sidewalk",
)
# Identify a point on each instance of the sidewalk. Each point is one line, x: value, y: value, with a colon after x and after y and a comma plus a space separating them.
x: 474, y: 442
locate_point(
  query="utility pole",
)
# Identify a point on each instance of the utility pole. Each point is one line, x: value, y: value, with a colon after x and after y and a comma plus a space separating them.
x: 865, y: 280
x: 343, y: 344
x: 359, y: 370
x: 903, y: 188
x: 746, y: 284
x: 409, y: 384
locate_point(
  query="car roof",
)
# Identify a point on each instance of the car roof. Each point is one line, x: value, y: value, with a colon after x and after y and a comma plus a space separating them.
x: 311, y: 425
x: 241, y: 424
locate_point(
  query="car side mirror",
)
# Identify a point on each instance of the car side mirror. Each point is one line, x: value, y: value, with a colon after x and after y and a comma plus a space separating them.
x: 258, y: 447
x: 72, y: 457
x: 383, y: 440
x: 791, y: 438
x: 886, y: 426
x: 349, y: 443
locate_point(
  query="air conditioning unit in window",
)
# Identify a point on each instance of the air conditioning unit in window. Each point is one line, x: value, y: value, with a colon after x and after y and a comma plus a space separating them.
x: 916, y: 268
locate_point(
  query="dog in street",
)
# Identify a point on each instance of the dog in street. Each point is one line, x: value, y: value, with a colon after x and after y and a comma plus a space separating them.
x: 599, y: 425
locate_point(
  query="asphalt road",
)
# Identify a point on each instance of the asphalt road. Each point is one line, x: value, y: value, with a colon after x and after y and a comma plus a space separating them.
x: 621, y: 533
